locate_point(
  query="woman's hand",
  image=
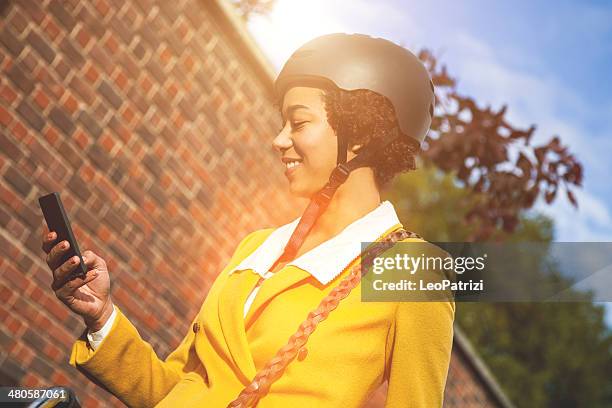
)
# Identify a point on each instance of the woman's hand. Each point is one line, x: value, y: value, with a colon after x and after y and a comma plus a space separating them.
x: 88, y: 297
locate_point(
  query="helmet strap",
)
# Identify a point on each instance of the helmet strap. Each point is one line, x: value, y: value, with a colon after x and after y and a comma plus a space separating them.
x: 321, y: 199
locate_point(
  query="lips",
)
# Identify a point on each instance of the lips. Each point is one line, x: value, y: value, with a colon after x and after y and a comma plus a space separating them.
x: 292, y: 164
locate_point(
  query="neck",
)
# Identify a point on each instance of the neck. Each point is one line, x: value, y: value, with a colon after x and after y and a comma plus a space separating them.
x: 356, y: 197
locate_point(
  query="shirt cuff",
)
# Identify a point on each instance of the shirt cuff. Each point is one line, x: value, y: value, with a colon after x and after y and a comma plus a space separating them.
x: 95, y: 338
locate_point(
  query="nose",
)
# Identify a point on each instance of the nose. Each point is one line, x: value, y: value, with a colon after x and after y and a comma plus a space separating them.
x: 283, y: 140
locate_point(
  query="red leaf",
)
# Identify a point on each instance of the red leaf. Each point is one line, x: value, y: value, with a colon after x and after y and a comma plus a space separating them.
x: 572, y: 198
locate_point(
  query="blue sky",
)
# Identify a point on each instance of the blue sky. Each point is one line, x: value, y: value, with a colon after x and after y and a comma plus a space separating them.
x: 551, y: 62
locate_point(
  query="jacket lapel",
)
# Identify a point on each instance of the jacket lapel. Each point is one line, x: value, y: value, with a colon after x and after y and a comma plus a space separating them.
x: 284, y: 279
x: 231, y: 308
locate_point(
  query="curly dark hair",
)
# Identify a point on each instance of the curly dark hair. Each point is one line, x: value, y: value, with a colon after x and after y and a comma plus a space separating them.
x: 363, y: 117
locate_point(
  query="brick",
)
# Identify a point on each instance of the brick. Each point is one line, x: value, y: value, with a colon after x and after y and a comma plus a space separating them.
x: 62, y: 121
x: 86, y: 219
x: 111, y: 44
x: 18, y: 181
x: 82, y: 89
x: 139, y: 49
x: 90, y: 124
x: 93, y: 23
x: 41, y: 99
x: 70, y: 154
x: 62, y: 15
x: 91, y: 73
x: 39, y: 365
x: 51, y: 136
x: 18, y: 74
x: 102, y: 7
x: 18, y: 21
x: 71, y: 52
x: 102, y: 58
x: 169, y: 135
x: 41, y: 156
x: 127, y: 61
x: 83, y: 37
x: 121, y: 250
x: 134, y: 191
x: 138, y: 100
x: 70, y: 103
x: 187, y: 108
x: 119, y: 129
x: 120, y: 80
x: 121, y: 29
x: 146, y: 135
x: 156, y: 71
x: 51, y: 28
x: 99, y: 157
x: 29, y: 60
x: 41, y: 46
x: 82, y: 139
x: 153, y: 165
x: 12, y: 369
x: 117, y: 175
x: 5, y: 117
x: 11, y: 42
x: 30, y: 115
x: 62, y: 67
x: 204, y: 80
x: 24, y: 263
x: 107, y: 142
x: 5, y: 217
x: 169, y: 10
x: 114, y: 221
x: 7, y: 93
x: 163, y: 104
x: 79, y: 187
x: 107, y: 91
x: 30, y: 218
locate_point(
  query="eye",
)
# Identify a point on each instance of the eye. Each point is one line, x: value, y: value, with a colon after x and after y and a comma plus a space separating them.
x: 298, y: 125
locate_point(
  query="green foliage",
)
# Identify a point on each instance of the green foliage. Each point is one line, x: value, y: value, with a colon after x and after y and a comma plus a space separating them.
x: 542, y: 354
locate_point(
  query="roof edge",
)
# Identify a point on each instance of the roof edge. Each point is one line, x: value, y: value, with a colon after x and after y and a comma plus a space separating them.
x: 462, y: 342
x: 236, y: 30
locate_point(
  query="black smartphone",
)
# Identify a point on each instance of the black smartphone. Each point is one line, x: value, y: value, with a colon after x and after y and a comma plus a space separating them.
x: 57, y: 220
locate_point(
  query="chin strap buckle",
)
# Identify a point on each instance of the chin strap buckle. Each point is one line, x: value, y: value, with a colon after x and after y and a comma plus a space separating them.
x: 338, y: 175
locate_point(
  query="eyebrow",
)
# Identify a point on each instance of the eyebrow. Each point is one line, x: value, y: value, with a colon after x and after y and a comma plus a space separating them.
x: 292, y: 109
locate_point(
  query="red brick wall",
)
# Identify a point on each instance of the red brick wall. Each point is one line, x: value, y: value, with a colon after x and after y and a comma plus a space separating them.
x: 156, y: 129
x: 464, y: 389
x: 157, y: 134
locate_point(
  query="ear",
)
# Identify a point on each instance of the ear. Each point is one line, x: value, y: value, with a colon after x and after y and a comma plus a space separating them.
x: 355, y: 149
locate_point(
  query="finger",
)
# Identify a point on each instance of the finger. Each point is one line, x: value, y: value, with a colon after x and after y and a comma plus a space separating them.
x: 48, y: 239
x: 62, y: 274
x: 56, y: 253
x: 68, y: 288
x: 92, y: 260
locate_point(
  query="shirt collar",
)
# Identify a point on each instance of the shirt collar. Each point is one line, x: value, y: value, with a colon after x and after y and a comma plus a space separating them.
x: 329, y: 259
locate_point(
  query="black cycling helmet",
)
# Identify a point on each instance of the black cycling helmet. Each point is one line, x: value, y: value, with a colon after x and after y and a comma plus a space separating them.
x: 358, y: 61
x: 351, y: 62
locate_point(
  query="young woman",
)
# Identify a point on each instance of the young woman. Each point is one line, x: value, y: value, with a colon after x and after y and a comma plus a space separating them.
x: 283, y: 325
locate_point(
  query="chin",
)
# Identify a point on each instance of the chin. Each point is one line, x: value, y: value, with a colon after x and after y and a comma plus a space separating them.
x: 300, y: 191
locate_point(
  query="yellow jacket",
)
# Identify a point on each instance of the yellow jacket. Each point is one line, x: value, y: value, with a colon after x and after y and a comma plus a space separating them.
x: 359, y: 345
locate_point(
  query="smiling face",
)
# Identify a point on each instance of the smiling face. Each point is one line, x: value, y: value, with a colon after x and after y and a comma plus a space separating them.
x: 307, y: 142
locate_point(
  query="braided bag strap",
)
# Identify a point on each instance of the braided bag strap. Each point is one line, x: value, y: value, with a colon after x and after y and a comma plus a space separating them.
x: 295, y: 346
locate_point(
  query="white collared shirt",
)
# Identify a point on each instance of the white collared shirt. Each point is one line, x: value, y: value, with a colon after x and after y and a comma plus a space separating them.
x: 327, y: 260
